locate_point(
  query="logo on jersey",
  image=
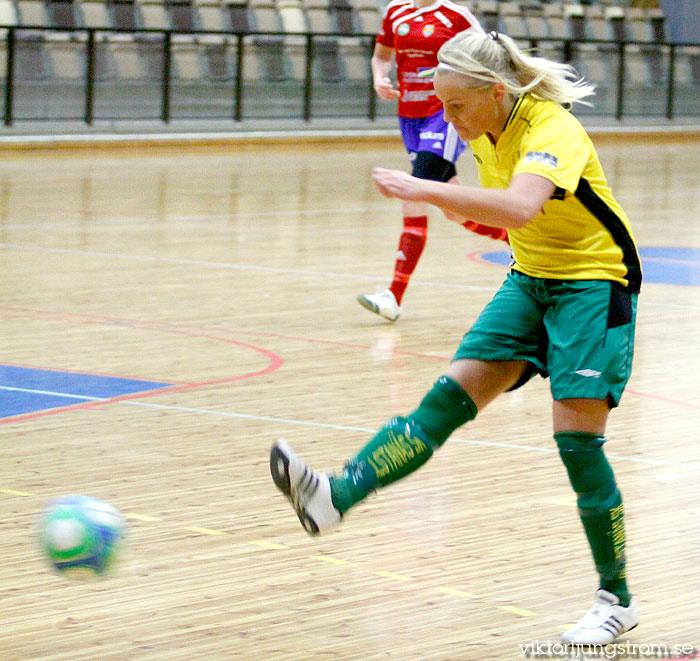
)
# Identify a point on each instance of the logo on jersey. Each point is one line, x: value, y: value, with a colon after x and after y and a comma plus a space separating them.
x: 418, y: 95
x: 541, y: 157
x: 428, y: 30
x: 431, y: 135
x: 403, y: 29
x: 588, y: 373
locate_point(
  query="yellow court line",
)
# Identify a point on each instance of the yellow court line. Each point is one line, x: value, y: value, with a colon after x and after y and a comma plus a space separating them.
x: 322, y: 558
x: 457, y: 593
x: 391, y: 574
x: 268, y: 545
x: 331, y: 560
x: 207, y: 531
x: 517, y: 611
x: 141, y: 517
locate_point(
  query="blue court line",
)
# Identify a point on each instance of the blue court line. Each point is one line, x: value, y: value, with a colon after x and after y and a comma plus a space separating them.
x: 28, y: 390
x: 306, y: 423
x: 660, y: 265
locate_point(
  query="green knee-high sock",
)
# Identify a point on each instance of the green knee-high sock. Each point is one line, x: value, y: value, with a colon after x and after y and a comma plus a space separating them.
x: 599, y: 505
x: 404, y: 444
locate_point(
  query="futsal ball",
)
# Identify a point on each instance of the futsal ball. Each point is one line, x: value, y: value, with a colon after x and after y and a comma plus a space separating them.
x: 81, y: 536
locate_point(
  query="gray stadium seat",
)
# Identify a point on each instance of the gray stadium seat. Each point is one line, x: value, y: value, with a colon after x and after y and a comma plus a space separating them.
x: 123, y: 14
x: 62, y: 13
x: 511, y: 19
x: 94, y: 14
x: 536, y: 23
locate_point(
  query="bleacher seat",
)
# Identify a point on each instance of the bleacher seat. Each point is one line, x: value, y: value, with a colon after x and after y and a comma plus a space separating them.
x: 536, y: 22
x: 576, y: 20
x: 658, y: 24
x: 239, y: 16
x: 487, y: 13
x: 152, y: 14
x: 637, y: 72
x: 343, y: 15
x: 687, y: 67
x: 127, y: 54
x: 558, y: 25
x: 182, y: 15
x: 210, y: 16
x: 597, y: 25
x: 32, y: 13
x: 94, y: 14
x: 368, y: 18
x: 267, y: 50
x: 62, y: 13
x: 615, y: 18
x: 321, y: 20
x: 292, y: 16
x: 66, y: 57
x: 294, y: 25
x: 8, y: 16
x: 511, y: 19
x: 8, y: 13
x: 123, y: 14
x: 354, y: 53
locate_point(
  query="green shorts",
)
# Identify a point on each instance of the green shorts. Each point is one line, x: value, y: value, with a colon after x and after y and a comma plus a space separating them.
x: 579, y: 333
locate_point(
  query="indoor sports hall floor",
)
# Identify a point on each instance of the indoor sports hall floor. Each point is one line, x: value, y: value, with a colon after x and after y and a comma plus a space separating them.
x: 167, y: 313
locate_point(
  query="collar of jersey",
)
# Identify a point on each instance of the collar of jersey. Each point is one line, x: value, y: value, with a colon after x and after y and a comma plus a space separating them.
x: 416, y: 12
x: 519, y: 108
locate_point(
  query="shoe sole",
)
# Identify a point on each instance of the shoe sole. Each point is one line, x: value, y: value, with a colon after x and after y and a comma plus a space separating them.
x: 373, y: 307
x: 568, y: 641
x: 279, y: 470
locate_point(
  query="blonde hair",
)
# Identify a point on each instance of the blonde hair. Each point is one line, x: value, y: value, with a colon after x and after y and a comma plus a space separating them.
x: 496, y: 58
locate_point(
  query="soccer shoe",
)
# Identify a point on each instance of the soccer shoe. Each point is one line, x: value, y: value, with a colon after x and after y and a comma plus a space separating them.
x: 605, y: 621
x: 308, y: 492
x: 382, y: 303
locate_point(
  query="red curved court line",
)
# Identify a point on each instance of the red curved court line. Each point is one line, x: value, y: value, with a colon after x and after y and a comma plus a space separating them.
x: 166, y: 327
x: 275, y: 362
x: 476, y: 257
x: 661, y: 398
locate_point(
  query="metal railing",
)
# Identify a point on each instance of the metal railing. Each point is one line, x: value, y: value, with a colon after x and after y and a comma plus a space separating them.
x: 90, y: 37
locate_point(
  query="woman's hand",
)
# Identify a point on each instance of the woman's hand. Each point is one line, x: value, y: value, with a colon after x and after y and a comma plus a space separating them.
x: 385, y: 89
x: 399, y: 184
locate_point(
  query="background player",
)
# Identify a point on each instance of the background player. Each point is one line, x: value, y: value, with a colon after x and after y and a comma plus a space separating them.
x: 567, y: 309
x: 411, y: 34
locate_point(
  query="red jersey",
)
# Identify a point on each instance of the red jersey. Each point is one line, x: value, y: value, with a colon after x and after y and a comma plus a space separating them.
x: 416, y: 35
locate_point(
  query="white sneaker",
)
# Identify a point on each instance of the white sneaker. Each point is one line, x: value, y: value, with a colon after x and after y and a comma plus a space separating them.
x: 308, y: 492
x: 382, y: 303
x: 605, y: 621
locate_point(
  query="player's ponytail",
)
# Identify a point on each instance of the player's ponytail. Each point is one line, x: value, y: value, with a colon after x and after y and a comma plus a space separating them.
x: 496, y: 58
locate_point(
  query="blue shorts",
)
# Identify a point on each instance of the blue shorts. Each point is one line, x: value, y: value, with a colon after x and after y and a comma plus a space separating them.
x: 431, y: 134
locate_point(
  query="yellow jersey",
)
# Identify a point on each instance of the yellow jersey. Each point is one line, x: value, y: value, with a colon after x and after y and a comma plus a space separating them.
x: 581, y: 233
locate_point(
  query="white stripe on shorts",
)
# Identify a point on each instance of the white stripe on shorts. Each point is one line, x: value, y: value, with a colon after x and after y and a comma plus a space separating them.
x: 450, y: 144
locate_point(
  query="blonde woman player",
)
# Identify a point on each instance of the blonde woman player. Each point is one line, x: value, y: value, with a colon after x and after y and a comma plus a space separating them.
x: 566, y: 310
x: 411, y: 35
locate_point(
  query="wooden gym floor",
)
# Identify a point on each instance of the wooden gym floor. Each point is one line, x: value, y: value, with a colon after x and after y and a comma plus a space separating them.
x: 228, y: 275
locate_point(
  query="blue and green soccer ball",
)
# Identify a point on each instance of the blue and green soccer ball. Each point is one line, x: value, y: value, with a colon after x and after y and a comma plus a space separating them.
x: 81, y: 536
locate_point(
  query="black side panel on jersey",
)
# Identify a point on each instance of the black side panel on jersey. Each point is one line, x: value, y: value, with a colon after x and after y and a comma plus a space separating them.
x: 619, y: 233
